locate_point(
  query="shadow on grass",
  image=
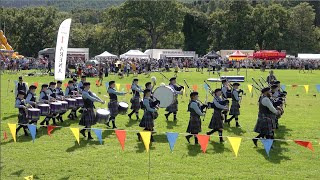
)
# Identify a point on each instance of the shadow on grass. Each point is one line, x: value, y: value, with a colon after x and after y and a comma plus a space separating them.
x: 160, y: 138
x: 141, y: 149
x: 11, y: 116
x: 107, y: 133
x: 235, y: 130
x: 83, y: 144
x: 65, y: 178
x: 17, y: 173
x: 171, y: 124
x: 194, y: 150
x: 218, y: 147
x: 132, y: 122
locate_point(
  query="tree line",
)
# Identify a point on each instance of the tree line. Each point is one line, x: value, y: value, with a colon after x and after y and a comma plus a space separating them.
x: 199, y: 26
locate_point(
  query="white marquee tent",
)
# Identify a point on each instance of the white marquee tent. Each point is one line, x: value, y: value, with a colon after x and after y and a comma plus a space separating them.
x: 105, y: 54
x: 134, y: 54
x: 309, y: 56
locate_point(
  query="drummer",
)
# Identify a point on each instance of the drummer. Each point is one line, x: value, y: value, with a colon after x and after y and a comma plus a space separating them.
x: 88, y: 116
x: 150, y: 86
x: 45, y: 98
x: 80, y: 85
x: 69, y: 94
x: 135, y: 100
x: 60, y: 96
x: 31, y: 96
x: 173, y: 108
x: 22, y: 117
x: 113, y: 105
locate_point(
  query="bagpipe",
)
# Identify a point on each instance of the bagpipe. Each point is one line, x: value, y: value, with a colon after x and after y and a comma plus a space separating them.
x: 223, y: 102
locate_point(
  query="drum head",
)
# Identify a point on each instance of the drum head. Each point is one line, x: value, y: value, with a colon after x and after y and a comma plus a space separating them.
x: 44, y: 105
x: 123, y: 104
x: 71, y: 99
x: 56, y: 103
x: 165, y: 95
x: 103, y: 111
x: 34, y: 109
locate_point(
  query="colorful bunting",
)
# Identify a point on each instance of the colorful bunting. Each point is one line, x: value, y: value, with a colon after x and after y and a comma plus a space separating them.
x: 33, y: 131
x: 195, y: 87
x: 318, y: 87
x: 128, y: 86
x: 107, y: 84
x: 121, y: 135
x: 206, y: 87
x: 146, y: 135
x: 97, y: 82
x: 203, y: 141
x: 306, y: 144
x: 250, y: 88
x: 29, y: 177
x: 118, y: 86
x: 98, y: 133
x: 172, y: 139
x: 50, y: 129
x: 65, y: 84
x: 76, y: 134
x: 235, y: 144
x: 13, y: 130
x: 306, y: 87
x: 36, y: 84
x: 267, y: 143
x: 5, y: 136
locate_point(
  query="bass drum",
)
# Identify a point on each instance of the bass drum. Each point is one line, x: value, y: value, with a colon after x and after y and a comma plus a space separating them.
x: 103, y: 116
x: 165, y: 94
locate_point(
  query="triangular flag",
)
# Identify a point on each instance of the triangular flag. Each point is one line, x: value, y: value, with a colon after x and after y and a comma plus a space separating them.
x: 195, y: 87
x: 98, y: 133
x: 267, y: 143
x: 283, y: 87
x: 146, y: 135
x: 13, y: 130
x: 318, y: 87
x: 33, y: 131
x: 36, y: 84
x: 76, y: 134
x: 121, y: 135
x: 250, y: 88
x: 206, y: 87
x: 29, y: 177
x: 128, y: 86
x: 235, y: 144
x: 5, y: 136
x: 97, y: 82
x: 203, y: 141
x: 172, y: 139
x: 65, y: 85
x: 306, y: 144
x: 50, y: 129
x: 118, y: 86
x: 107, y: 84
x: 306, y: 87
x: 294, y: 86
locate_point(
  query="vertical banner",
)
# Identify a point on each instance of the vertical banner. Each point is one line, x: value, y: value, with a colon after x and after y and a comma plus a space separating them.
x: 61, y: 50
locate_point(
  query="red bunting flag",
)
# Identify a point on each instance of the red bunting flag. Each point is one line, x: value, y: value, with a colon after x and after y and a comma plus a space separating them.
x: 128, y: 86
x: 65, y: 85
x: 306, y: 144
x: 36, y: 84
x: 97, y: 82
x: 203, y: 141
x: 195, y: 87
x: 121, y: 135
x: 50, y: 129
x: 5, y: 136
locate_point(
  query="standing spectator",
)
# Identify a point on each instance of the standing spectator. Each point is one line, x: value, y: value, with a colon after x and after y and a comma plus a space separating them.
x: 49, y: 66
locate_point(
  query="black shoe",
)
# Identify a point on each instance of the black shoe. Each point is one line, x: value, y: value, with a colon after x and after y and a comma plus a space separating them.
x: 188, y: 138
x: 255, y: 142
x: 237, y: 124
x: 129, y: 115
x: 209, y: 133
x: 108, y: 124
x: 26, y: 134
x: 139, y: 136
x: 221, y: 140
x: 196, y: 140
x: 138, y: 118
x: 114, y: 125
x: 89, y: 136
x: 167, y: 115
x: 82, y: 131
x: 152, y: 140
x: 174, y: 119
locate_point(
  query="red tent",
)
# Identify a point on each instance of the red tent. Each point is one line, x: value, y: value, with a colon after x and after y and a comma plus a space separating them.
x: 269, y: 55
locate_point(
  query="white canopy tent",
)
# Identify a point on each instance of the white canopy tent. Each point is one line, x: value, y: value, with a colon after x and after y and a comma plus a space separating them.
x: 104, y: 55
x: 134, y: 54
x: 309, y: 56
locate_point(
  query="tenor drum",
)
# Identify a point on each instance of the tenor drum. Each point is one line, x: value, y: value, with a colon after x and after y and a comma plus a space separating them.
x: 44, y: 109
x: 80, y: 102
x: 34, y: 114
x: 165, y: 94
x: 64, y: 106
x: 123, y: 108
x: 71, y: 103
x: 55, y: 107
x: 103, y: 116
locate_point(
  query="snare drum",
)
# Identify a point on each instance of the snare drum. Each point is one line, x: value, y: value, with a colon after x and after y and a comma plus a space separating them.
x: 55, y: 107
x: 165, y: 94
x: 80, y: 102
x: 71, y: 103
x: 34, y: 114
x: 123, y: 108
x: 44, y: 109
x: 64, y: 106
x: 103, y: 116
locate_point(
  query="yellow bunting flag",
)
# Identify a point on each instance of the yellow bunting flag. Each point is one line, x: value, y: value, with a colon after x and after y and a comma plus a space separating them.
x: 76, y: 134
x: 13, y: 130
x: 250, y: 88
x: 235, y: 144
x: 118, y: 86
x: 306, y: 87
x: 29, y: 177
x: 146, y: 135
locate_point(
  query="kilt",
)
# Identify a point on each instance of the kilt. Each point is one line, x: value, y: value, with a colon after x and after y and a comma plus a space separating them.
x: 264, y: 124
x: 135, y: 103
x: 173, y: 107
x: 22, y: 118
x: 113, y: 107
x: 194, y: 126
x: 147, y: 120
x: 216, y: 121
x: 88, y: 118
x: 235, y: 108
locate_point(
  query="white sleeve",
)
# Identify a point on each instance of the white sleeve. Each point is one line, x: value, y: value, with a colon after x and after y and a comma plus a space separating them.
x: 266, y: 102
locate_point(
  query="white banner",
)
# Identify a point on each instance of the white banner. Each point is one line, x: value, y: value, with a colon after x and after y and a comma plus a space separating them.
x: 61, y: 50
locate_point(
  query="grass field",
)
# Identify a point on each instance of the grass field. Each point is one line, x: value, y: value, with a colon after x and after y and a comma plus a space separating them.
x: 60, y: 156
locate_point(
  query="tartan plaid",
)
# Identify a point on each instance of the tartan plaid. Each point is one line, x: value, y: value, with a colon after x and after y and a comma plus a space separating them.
x: 194, y: 126
x: 235, y: 108
x: 135, y: 103
x: 264, y: 124
x: 88, y: 118
x: 216, y: 121
x: 113, y: 107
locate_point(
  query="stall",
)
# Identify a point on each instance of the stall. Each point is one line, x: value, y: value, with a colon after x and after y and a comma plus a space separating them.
x: 309, y: 56
x: 237, y: 55
x: 136, y: 54
x: 269, y: 55
x: 212, y: 55
x: 105, y: 55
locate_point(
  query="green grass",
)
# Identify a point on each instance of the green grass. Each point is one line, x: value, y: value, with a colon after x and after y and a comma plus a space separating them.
x: 60, y: 157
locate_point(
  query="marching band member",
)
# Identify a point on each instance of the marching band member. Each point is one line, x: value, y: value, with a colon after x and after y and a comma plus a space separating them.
x: 216, y: 123
x: 226, y: 92
x: 271, y: 78
x: 149, y: 115
x: 88, y: 116
x: 69, y: 93
x: 173, y: 108
x: 135, y: 100
x: 265, y: 124
x: 31, y: 98
x: 75, y: 84
x: 194, y: 126
x: 22, y: 117
x: 80, y: 85
x: 113, y: 104
x: 59, y: 95
x: 235, y: 106
x: 20, y: 86
x: 53, y: 95
x: 45, y: 98
x: 275, y: 91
